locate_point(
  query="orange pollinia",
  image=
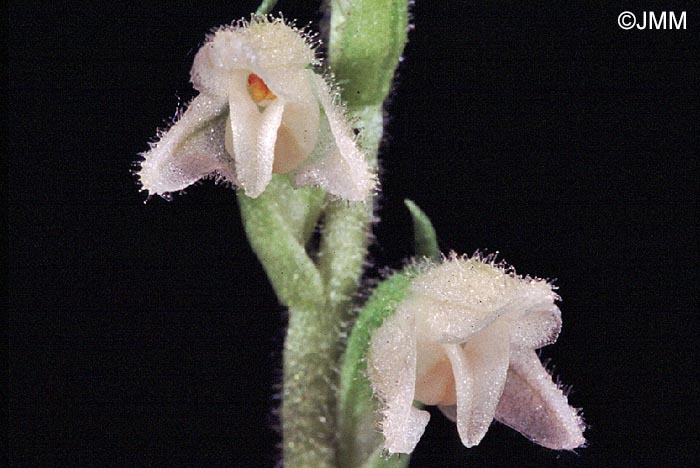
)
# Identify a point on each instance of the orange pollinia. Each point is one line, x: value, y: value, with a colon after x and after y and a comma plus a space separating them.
x: 258, y: 89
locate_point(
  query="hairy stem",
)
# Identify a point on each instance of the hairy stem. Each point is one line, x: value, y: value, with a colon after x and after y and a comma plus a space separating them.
x: 364, y: 53
x: 308, y: 408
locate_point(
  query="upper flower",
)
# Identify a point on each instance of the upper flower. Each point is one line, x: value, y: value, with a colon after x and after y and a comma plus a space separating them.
x: 262, y: 109
x: 464, y: 338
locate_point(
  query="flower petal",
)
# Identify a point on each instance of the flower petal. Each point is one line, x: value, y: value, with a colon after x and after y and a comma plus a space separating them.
x: 536, y: 328
x: 264, y: 46
x: 298, y: 133
x: 290, y: 84
x: 480, y: 369
x: 267, y: 138
x: 191, y: 149
x: 302, y: 120
x: 463, y: 295
x: 337, y: 165
x: 252, y: 136
x: 533, y: 405
x: 392, y: 366
x: 444, y: 322
x: 435, y: 383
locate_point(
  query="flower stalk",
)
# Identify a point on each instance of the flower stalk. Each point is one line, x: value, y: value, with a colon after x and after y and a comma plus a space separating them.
x: 320, y: 290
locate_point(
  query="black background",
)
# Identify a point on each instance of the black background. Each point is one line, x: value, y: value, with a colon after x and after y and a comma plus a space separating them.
x: 146, y: 335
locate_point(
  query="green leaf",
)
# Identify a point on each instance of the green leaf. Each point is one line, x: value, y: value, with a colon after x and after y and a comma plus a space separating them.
x: 425, y: 238
x: 360, y: 441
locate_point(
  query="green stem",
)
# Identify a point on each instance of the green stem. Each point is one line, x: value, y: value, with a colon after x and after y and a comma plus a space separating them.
x: 308, y: 408
x: 341, y: 258
x: 278, y: 224
x: 366, y: 40
x: 363, y: 53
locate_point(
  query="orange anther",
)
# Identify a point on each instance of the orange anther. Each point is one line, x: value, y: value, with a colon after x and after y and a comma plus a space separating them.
x: 258, y: 89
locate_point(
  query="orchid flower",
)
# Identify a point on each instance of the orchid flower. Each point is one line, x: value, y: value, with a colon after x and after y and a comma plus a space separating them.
x: 464, y: 338
x: 261, y: 109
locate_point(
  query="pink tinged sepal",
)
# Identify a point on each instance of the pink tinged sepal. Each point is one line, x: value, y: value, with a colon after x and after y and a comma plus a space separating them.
x: 533, y: 405
x: 192, y: 149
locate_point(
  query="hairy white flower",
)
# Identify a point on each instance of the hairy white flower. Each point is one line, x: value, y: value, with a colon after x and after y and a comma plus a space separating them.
x: 464, y: 338
x: 262, y: 109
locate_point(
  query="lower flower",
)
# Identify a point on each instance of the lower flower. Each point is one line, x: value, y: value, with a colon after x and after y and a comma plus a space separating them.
x: 464, y: 339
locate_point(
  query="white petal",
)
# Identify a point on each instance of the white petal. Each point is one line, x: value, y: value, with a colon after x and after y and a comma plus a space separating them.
x: 337, y: 165
x: 275, y: 44
x: 290, y: 84
x: 435, y: 383
x: 191, y: 149
x: 462, y: 295
x: 533, y: 405
x: 444, y: 322
x: 480, y: 369
x: 298, y: 134
x: 302, y: 120
x: 392, y: 368
x: 536, y: 328
x: 402, y: 435
x: 267, y: 137
x: 264, y: 47
x: 252, y: 135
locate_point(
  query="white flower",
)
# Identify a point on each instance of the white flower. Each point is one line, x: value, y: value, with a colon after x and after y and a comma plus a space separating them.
x: 262, y: 109
x: 464, y: 338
